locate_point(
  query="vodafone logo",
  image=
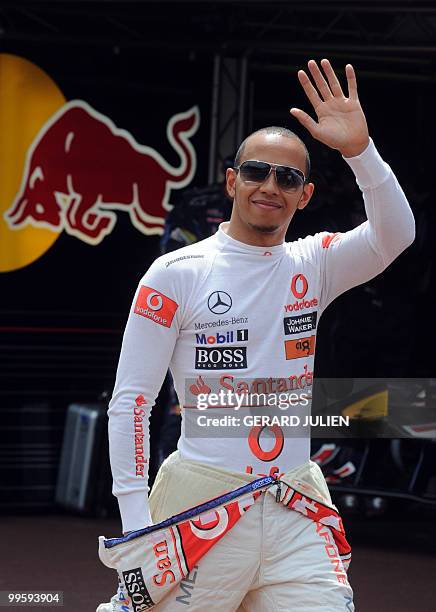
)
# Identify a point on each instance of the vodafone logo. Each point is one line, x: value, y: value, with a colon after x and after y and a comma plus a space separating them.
x: 301, y: 305
x: 255, y: 446
x: 158, y: 301
x: 156, y: 306
x: 210, y: 525
x: 299, y: 286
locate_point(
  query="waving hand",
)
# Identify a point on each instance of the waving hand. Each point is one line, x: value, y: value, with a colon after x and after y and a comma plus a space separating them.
x: 341, y: 122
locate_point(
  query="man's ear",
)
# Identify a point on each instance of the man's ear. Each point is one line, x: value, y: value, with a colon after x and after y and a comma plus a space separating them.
x: 308, y: 190
x: 231, y: 181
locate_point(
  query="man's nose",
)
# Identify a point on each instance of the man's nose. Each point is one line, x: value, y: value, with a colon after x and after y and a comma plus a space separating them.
x: 270, y: 184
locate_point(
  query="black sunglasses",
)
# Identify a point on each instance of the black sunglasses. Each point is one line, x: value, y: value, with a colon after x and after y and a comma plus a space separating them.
x: 255, y: 171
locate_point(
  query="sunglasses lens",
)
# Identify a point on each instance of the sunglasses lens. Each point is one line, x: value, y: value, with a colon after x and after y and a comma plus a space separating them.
x: 257, y: 171
x: 289, y: 178
x: 254, y: 171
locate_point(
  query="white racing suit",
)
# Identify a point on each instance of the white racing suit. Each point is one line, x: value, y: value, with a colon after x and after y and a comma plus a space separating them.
x: 268, y: 560
x: 228, y: 316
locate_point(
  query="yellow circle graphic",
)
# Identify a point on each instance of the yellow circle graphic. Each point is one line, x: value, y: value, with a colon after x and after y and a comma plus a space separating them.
x: 28, y: 98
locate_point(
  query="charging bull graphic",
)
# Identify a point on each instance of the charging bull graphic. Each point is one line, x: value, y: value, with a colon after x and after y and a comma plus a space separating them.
x: 81, y: 167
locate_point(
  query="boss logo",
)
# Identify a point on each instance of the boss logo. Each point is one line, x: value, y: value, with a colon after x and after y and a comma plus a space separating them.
x: 135, y: 585
x: 221, y: 358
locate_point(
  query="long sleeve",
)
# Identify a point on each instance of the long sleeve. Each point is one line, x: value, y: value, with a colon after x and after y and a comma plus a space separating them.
x: 360, y: 254
x: 148, y: 343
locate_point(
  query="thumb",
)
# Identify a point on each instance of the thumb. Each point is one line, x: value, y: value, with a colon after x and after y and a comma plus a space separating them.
x: 305, y: 120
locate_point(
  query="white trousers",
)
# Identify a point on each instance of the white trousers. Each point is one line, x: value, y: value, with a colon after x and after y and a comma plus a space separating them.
x: 273, y: 560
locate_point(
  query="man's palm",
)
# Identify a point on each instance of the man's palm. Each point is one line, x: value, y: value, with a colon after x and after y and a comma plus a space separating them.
x: 338, y: 121
x: 341, y: 122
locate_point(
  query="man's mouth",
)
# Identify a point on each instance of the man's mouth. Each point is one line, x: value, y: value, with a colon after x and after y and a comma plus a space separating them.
x: 266, y: 204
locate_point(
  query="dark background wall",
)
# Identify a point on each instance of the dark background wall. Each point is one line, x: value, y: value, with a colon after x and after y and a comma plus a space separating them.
x: 139, y: 64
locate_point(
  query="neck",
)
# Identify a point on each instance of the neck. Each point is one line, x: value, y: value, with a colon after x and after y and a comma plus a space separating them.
x: 248, y: 234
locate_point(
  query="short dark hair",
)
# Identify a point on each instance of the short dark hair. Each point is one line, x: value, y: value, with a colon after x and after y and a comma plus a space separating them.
x: 281, y: 131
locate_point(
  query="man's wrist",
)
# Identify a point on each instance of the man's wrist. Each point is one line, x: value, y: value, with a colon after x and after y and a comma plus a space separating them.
x: 355, y: 150
x: 134, y: 510
x: 369, y: 168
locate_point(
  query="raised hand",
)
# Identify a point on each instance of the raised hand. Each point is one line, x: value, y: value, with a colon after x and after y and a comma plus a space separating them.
x: 341, y: 121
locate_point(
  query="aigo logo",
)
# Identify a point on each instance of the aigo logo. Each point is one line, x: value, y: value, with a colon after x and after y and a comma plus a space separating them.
x: 302, y: 347
x: 299, y: 286
x: 154, y: 305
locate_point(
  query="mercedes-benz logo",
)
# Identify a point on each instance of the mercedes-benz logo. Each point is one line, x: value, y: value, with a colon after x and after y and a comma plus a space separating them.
x: 219, y: 302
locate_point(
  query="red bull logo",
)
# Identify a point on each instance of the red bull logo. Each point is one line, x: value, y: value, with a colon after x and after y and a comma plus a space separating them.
x: 81, y: 168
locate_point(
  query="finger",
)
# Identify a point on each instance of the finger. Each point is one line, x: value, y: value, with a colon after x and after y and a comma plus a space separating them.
x: 305, y: 120
x: 351, y: 82
x: 320, y: 81
x: 334, y: 84
x: 309, y: 89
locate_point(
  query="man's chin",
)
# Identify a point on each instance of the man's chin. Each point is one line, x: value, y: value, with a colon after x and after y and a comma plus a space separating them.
x: 264, y: 229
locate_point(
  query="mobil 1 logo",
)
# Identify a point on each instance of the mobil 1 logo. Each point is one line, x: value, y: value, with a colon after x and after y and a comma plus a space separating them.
x: 220, y: 358
x: 300, y: 323
x: 240, y: 335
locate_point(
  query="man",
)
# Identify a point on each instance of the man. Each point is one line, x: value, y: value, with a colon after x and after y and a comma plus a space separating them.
x: 245, y: 289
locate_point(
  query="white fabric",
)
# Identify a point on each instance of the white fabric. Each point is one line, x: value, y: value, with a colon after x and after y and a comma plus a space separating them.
x: 267, y: 561
x: 273, y: 559
x: 258, y: 280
